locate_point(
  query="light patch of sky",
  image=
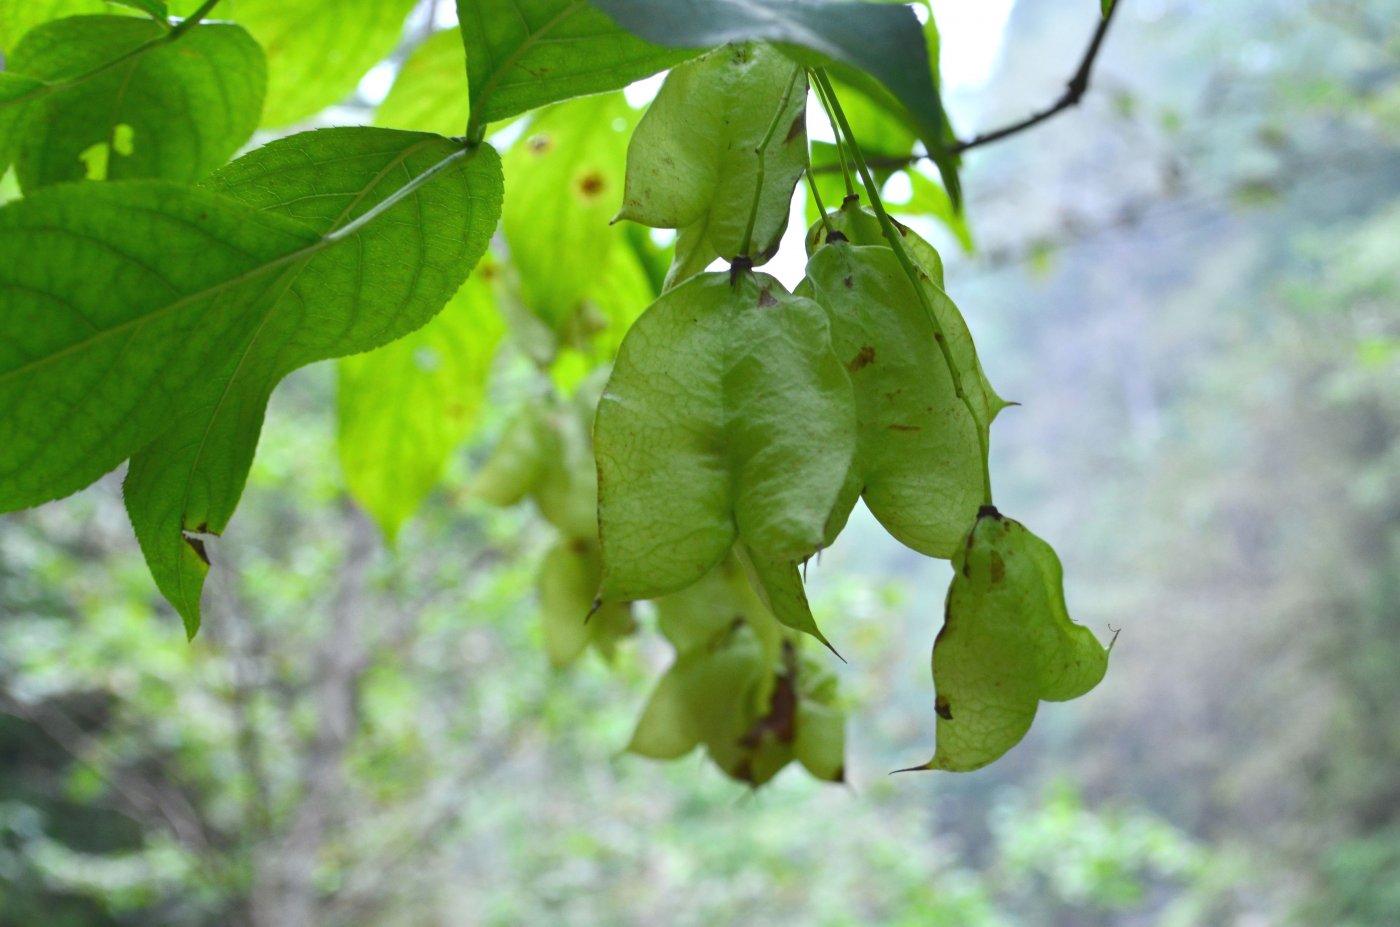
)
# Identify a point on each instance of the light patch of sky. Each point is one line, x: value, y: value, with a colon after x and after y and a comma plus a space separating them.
x: 971, y: 32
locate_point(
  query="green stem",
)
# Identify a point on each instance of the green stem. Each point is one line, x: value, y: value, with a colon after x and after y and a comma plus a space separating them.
x: 841, y: 159
x: 192, y: 20
x: 893, y: 237
x: 816, y: 195
x: 759, y: 152
x: 180, y: 28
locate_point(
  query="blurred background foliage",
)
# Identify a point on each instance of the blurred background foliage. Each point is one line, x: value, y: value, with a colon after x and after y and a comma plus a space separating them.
x: 1190, y: 284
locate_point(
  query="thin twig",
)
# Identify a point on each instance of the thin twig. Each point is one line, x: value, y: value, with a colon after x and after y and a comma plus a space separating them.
x: 1074, y: 92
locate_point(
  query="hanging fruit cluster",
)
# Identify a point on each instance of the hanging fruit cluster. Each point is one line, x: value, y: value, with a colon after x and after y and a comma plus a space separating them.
x: 152, y: 297
x: 742, y: 422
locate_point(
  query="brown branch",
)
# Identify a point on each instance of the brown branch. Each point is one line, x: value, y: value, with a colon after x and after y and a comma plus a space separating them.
x: 1074, y: 92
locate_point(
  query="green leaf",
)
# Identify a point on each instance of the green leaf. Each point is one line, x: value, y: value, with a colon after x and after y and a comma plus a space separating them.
x: 19, y: 16
x: 564, y: 178
x: 884, y: 41
x: 927, y: 198
x: 918, y: 458
x: 405, y: 407
x: 156, y: 9
x: 517, y: 463
x: 821, y: 741
x: 172, y: 360
x: 779, y: 586
x: 617, y: 297
x: 170, y: 109
x: 568, y: 583
x: 394, y: 255
x: 106, y: 328
x: 718, y: 155
x: 706, y: 696
x: 430, y: 92
x: 727, y: 416
x: 317, y: 50
x: 860, y: 227
x: 15, y: 90
x: 1007, y: 643
x: 523, y: 54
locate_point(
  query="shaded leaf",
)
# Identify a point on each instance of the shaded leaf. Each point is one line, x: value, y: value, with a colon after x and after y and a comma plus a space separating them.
x: 882, y: 47
x: 523, y: 54
x: 19, y: 16
x: 153, y: 8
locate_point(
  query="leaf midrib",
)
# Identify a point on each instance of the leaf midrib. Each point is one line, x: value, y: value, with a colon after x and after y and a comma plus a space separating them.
x: 283, y: 285
x: 320, y: 244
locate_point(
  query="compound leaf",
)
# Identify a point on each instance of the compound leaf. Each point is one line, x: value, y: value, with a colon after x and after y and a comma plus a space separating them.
x: 108, y: 326
x: 565, y: 177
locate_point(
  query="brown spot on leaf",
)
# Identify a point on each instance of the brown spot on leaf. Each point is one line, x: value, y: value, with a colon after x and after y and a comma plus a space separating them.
x: 765, y: 299
x: 998, y: 567
x: 863, y: 359
x: 799, y: 125
x: 541, y: 144
x: 940, y: 705
x: 592, y: 185
x: 899, y: 427
x: 850, y: 282
x: 781, y: 720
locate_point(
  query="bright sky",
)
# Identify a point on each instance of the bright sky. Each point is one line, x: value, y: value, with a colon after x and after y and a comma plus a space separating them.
x: 971, y: 35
